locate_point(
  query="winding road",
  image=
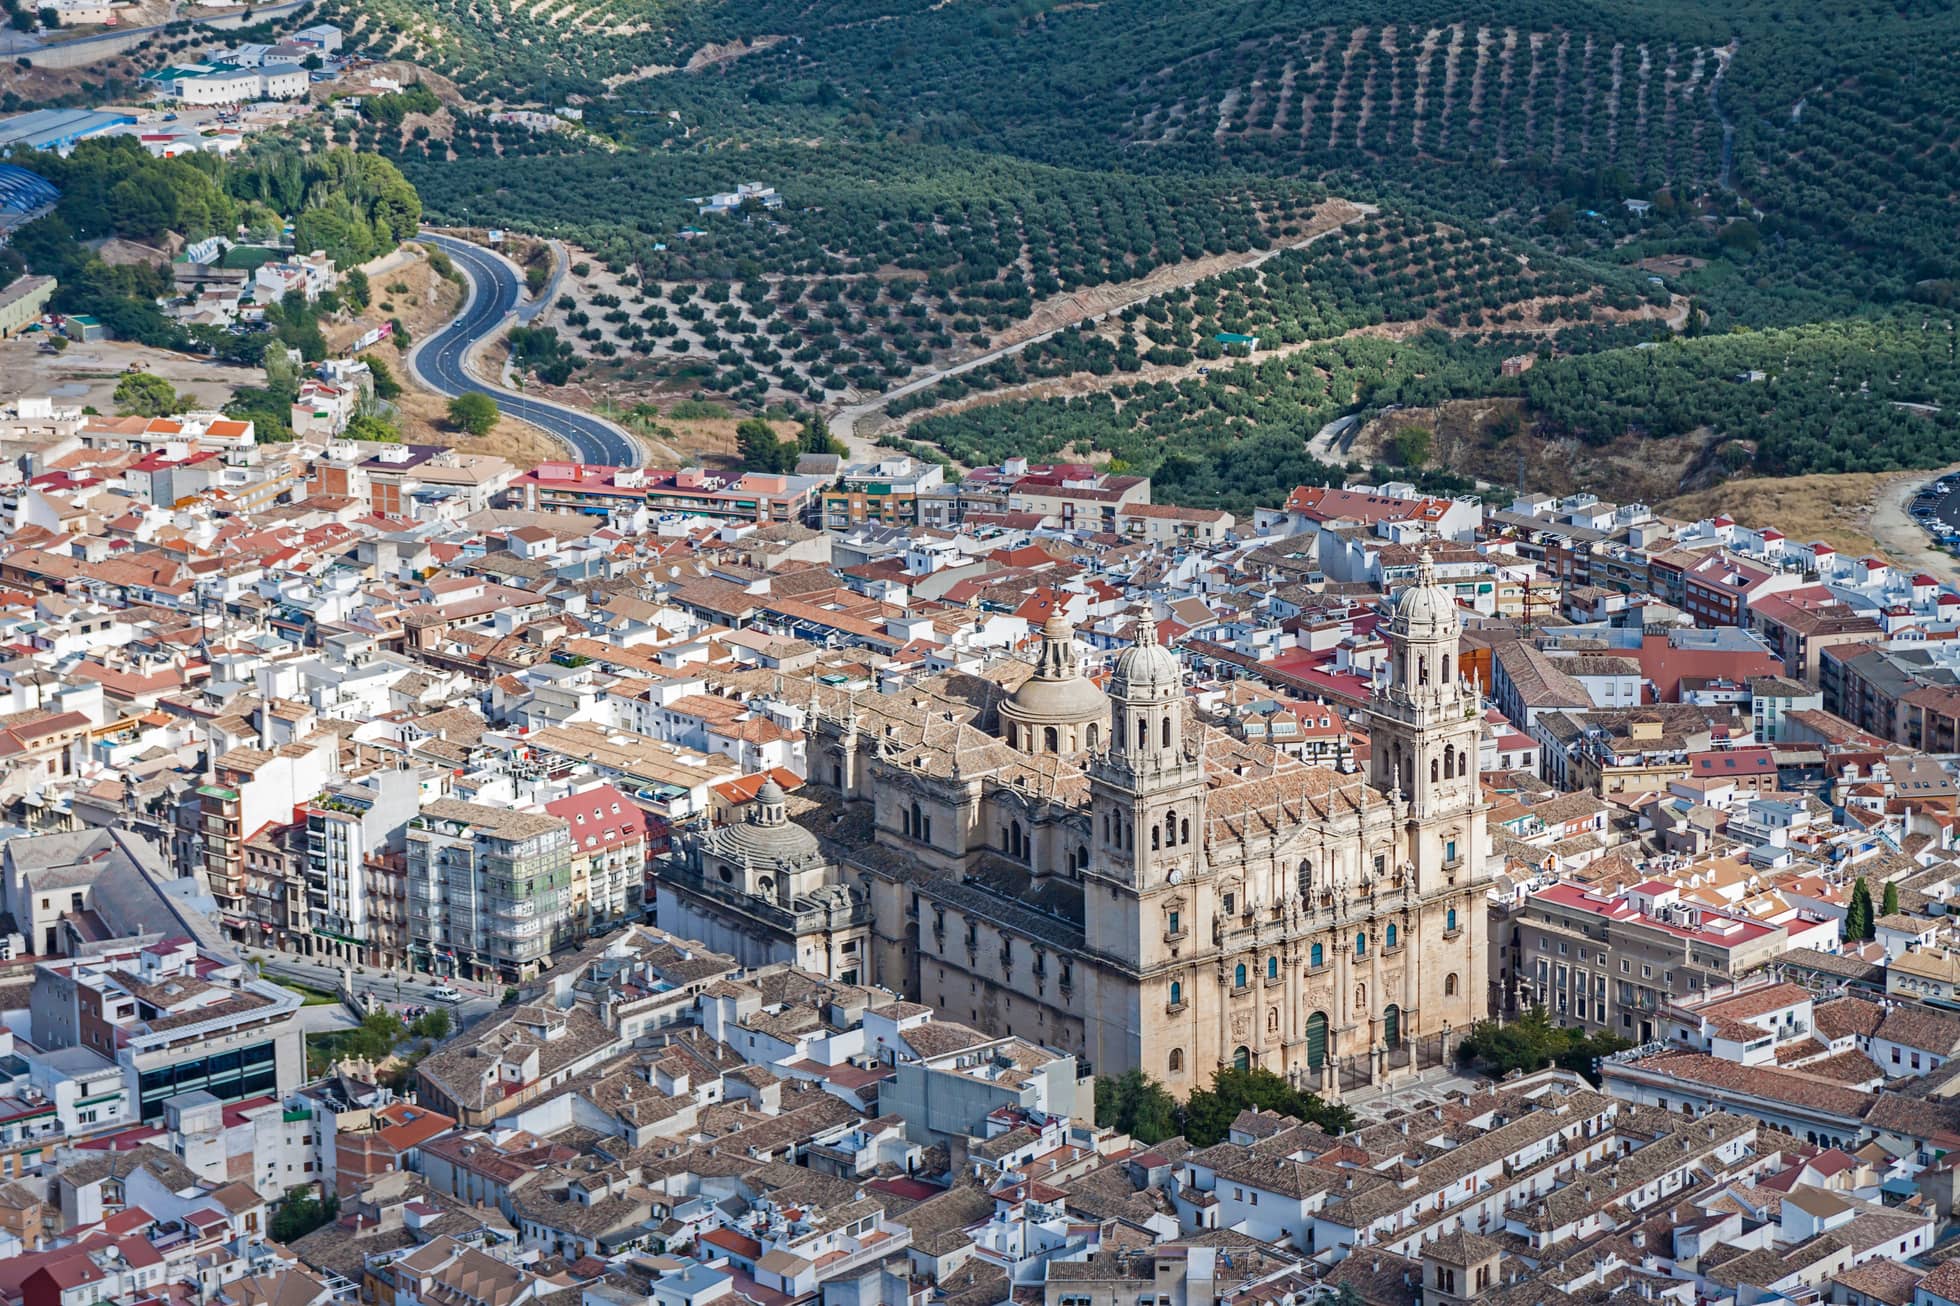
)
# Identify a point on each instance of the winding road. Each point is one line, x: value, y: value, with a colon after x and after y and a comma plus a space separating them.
x: 441, y: 361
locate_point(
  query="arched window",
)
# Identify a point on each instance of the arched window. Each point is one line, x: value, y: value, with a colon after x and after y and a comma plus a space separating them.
x: 1177, y: 993
x: 925, y: 830
x: 1176, y: 1062
x: 1272, y: 968
x: 1167, y: 730
x: 1052, y: 740
x: 1013, y: 735
x: 1153, y: 838
x: 1170, y: 829
x: 1434, y: 767
x: 1392, y: 1027
x: 1422, y: 671
x: 918, y: 821
x: 1449, y: 919
x: 1238, y: 976
x: 1317, y: 956
x: 1105, y: 827
x: 1082, y: 857
x: 1095, y: 738
x: 1317, y: 1040
x: 1306, y: 879
x: 1361, y: 944
x: 1143, y: 734
x: 1184, y: 830
x: 1389, y: 939
x: 1449, y: 985
x: 1446, y: 669
x: 1242, y: 1059
x: 1449, y: 761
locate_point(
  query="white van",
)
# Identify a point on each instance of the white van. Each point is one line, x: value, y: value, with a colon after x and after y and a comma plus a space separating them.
x: 445, y: 993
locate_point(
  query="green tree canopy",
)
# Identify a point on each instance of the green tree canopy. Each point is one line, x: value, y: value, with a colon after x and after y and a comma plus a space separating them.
x: 1138, y: 1105
x: 474, y: 413
x: 1534, y: 1043
x: 1412, y: 446
x: 301, y: 1214
x: 144, y: 394
x: 1209, y: 1113
x: 760, y: 449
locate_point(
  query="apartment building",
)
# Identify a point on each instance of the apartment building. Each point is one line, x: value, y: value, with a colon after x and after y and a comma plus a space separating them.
x: 489, y: 890
x: 1612, y: 962
x: 609, y: 854
x: 350, y: 828
x: 253, y: 789
x: 174, y: 1019
x: 884, y: 492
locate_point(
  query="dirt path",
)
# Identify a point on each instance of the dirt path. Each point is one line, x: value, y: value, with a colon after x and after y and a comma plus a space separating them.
x: 1056, y: 316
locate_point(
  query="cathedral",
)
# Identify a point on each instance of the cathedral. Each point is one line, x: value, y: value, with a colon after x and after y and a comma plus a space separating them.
x: 1108, y: 874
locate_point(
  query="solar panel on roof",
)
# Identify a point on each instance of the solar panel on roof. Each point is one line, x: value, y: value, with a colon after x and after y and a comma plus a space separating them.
x: 22, y: 191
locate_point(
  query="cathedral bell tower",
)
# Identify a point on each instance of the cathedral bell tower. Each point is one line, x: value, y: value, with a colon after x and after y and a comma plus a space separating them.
x: 1147, y: 792
x: 1424, y: 726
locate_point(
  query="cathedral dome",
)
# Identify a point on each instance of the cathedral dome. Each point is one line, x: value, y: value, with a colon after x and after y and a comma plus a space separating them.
x: 1057, y: 693
x: 1426, y: 610
x: 1146, y: 667
x: 1057, y: 701
x: 766, y: 836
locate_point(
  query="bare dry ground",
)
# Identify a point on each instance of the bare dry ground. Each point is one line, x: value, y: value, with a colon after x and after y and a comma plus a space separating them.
x: 424, y: 420
x: 86, y: 375
x: 1856, y: 512
x: 426, y: 303
x: 1488, y: 439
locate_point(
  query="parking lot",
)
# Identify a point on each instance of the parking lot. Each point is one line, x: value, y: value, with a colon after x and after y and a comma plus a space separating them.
x: 1936, y: 507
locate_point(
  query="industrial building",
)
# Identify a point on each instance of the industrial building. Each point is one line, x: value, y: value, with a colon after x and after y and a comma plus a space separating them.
x: 58, y: 129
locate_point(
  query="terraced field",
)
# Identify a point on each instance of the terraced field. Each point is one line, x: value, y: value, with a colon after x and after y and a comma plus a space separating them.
x: 1391, y: 277
x: 525, y: 51
x: 1449, y: 93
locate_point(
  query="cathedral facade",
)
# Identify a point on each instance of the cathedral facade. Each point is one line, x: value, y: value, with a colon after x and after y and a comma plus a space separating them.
x: 1105, y: 873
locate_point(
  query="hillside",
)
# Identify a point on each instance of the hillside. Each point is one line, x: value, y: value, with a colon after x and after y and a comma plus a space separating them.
x: 1578, y: 184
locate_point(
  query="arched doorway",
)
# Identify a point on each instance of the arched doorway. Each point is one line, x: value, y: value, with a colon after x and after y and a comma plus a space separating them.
x: 1392, y: 1027
x: 1242, y: 1058
x: 1317, y: 1040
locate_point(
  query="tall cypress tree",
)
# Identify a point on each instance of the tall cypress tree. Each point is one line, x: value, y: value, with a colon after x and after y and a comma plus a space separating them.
x: 1859, y: 923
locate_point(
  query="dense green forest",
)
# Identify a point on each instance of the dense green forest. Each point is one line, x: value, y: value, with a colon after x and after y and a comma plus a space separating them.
x: 351, y: 205
x: 1576, y: 182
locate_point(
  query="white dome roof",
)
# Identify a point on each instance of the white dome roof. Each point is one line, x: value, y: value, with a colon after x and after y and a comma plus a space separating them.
x: 1146, y: 666
x: 1057, y: 693
x: 1426, y: 609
